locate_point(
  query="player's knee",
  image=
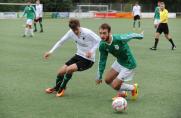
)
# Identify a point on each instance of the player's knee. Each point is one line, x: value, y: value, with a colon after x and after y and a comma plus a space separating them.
x: 108, y: 81
x: 116, y: 86
x: 69, y: 70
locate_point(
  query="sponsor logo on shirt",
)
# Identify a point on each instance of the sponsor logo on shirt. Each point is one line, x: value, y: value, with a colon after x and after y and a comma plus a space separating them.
x: 116, y: 47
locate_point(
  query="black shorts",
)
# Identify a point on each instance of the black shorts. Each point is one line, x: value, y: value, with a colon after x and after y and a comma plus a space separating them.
x: 163, y: 27
x: 38, y: 19
x: 137, y: 17
x: 82, y: 63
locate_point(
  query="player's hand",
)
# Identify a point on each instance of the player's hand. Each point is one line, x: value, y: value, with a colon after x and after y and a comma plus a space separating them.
x: 88, y: 54
x: 98, y: 81
x: 46, y: 55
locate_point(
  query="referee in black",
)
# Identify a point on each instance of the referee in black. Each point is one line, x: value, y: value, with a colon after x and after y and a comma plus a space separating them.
x: 163, y: 27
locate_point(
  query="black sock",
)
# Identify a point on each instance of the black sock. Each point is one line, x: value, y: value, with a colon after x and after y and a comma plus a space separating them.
x: 66, y: 78
x: 35, y: 26
x: 139, y: 24
x: 41, y: 26
x: 134, y: 24
x: 171, y: 41
x: 156, y: 42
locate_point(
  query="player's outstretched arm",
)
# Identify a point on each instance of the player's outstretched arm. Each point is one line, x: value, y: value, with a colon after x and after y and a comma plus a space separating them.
x: 129, y: 36
x: 102, y: 64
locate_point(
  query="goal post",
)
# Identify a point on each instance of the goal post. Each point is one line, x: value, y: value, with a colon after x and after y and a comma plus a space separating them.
x: 92, y: 8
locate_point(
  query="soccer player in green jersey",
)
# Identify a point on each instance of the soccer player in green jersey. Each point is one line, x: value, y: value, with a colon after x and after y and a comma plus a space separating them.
x: 29, y: 11
x: 157, y: 15
x: 123, y: 68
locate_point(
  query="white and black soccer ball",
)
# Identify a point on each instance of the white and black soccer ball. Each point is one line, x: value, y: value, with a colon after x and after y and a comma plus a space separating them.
x: 119, y: 104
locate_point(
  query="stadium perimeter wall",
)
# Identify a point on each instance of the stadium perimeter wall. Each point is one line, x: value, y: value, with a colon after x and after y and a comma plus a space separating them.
x: 15, y: 15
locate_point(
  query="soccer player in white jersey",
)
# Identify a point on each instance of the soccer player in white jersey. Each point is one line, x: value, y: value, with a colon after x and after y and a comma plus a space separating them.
x: 39, y: 15
x: 137, y: 14
x: 87, y: 42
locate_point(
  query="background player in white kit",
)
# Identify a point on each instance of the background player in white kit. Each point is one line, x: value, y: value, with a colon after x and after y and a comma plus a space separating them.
x: 39, y: 15
x: 137, y: 14
x: 87, y: 43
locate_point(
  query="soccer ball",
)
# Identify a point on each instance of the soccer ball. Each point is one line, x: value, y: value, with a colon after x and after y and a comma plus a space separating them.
x: 119, y: 104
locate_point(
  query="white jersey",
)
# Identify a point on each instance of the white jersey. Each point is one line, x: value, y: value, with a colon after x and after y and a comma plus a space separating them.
x: 87, y: 41
x: 136, y: 10
x: 39, y: 10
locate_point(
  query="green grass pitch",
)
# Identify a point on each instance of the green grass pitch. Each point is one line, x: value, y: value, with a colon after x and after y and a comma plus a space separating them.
x: 24, y: 74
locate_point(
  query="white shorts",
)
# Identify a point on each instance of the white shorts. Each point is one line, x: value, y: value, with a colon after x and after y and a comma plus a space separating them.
x: 29, y: 21
x: 156, y: 21
x: 125, y: 74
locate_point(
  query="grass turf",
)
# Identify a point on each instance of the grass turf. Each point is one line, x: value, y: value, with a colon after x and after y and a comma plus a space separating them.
x: 24, y: 74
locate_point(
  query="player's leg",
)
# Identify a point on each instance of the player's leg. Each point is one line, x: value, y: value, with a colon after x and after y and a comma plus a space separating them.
x: 41, y: 25
x: 171, y: 41
x: 124, y: 76
x: 110, y: 76
x: 35, y: 28
x: 134, y: 22
x: 68, y: 74
x: 31, y: 30
x: 167, y: 36
x: 26, y: 29
x: 157, y: 35
x: 59, y: 80
x: 139, y: 22
x: 80, y: 64
x: 60, y: 75
x: 156, y: 22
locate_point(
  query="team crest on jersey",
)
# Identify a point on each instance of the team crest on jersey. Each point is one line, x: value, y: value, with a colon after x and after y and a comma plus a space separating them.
x: 116, y: 47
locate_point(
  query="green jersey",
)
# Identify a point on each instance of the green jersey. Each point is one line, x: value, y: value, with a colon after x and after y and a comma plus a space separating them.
x: 157, y: 13
x: 30, y: 12
x: 119, y: 49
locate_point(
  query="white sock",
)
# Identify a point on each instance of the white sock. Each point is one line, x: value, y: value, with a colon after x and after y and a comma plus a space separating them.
x: 26, y: 31
x: 126, y: 87
x: 31, y: 31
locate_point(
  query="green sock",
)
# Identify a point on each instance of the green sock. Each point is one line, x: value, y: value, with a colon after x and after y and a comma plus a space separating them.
x: 67, y: 77
x: 58, y: 81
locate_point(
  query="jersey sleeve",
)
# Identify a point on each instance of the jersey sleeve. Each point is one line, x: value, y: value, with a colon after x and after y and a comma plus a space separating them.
x: 24, y: 12
x: 129, y: 36
x: 155, y: 12
x: 61, y: 41
x: 103, y: 54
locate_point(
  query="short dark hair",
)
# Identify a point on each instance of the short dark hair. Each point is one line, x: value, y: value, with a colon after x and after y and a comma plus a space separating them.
x: 105, y: 26
x: 162, y: 3
x: 74, y: 23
